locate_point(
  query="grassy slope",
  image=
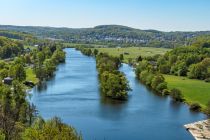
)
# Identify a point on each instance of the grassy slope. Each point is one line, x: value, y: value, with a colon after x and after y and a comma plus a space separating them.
x: 193, y: 90
x: 134, y: 52
x: 30, y: 76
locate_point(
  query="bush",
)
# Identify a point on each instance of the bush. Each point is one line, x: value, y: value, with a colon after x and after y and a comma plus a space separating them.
x: 195, y: 107
x: 161, y: 87
x: 177, y: 95
x: 164, y: 69
x: 207, y: 80
x: 165, y: 92
x: 158, y: 83
x: 53, y: 129
x: 121, y: 57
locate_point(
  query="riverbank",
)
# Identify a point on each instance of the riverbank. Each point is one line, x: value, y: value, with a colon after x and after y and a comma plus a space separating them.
x: 198, y: 95
x: 200, y: 130
x: 74, y: 95
x: 194, y: 91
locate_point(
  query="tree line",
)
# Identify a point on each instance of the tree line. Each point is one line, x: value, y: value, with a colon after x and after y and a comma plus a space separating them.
x: 10, y: 48
x: 113, y: 83
x: 45, y: 59
x: 192, y: 62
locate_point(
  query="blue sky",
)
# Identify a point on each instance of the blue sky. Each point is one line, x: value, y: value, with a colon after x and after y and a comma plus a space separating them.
x: 164, y: 15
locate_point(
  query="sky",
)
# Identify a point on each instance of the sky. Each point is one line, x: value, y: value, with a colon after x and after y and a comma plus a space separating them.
x: 164, y: 15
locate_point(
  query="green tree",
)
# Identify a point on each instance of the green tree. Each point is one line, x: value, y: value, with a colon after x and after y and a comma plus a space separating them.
x: 139, y: 58
x: 95, y: 52
x: 176, y: 95
x: 3, y: 73
x: 49, y: 67
x: 165, y: 68
x: 121, y: 57
x: 197, y: 71
x: 18, y: 72
x: 158, y: 82
x: 53, y: 129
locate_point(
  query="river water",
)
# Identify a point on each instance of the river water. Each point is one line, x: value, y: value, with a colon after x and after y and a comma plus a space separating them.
x: 74, y: 96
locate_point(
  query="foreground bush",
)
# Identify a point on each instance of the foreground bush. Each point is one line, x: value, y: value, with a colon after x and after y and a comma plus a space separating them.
x: 53, y: 129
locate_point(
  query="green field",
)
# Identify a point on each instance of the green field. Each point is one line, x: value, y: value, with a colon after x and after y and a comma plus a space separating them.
x: 133, y: 52
x: 30, y: 47
x: 30, y: 76
x: 194, y: 91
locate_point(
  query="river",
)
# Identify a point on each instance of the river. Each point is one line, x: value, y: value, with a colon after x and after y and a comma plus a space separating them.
x: 74, y: 96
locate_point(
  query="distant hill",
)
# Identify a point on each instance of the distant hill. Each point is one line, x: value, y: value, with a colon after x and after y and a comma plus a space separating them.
x: 110, y: 34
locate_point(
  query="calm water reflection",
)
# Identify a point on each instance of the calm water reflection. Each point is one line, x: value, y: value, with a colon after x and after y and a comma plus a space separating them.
x: 73, y: 94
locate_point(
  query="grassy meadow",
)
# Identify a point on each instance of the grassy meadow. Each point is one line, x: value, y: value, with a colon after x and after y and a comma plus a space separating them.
x: 133, y: 52
x: 194, y: 91
x: 30, y: 75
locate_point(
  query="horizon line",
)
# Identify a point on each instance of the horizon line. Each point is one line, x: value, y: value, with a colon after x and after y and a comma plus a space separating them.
x: 91, y: 27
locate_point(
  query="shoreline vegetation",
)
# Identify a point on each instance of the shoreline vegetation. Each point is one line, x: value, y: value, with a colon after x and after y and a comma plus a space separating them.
x: 159, y: 70
x: 23, y: 68
x: 113, y: 83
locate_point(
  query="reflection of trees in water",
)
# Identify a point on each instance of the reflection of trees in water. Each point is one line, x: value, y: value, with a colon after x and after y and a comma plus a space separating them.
x: 112, y: 109
x: 109, y: 101
x: 175, y: 105
x: 41, y: 86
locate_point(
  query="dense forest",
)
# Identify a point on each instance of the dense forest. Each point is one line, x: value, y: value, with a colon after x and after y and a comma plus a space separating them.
x: 111, y: 35
x: 10, y: 48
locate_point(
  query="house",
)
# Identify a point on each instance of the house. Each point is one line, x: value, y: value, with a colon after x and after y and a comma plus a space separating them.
x: 7, y: 80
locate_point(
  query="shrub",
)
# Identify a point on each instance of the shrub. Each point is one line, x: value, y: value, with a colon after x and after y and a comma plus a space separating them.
x: 156, y: 81
x: 176, y: 95
x: 121, y: 57
x: 164, y: 69
x: 161, y: 87
x: 195, y: 107
x: 165, y: 92
x: 207, y: 80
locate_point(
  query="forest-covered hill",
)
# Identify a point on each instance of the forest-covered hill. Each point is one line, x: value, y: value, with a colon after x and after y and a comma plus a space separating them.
x: 111, y: 35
